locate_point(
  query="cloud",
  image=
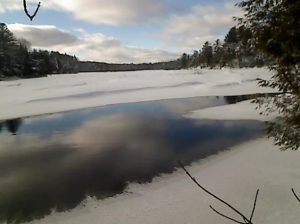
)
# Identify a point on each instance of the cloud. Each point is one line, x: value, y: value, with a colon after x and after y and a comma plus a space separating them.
x: 43, y: 35
x: 90, y: 46
x: 10, y: 5
x: 203, y: 23
x: 104, y: 48
x: 196, y: 43
x: 204, y: 20
x: 113, y: 12
x: 188, y: 44
x: 176, y: 27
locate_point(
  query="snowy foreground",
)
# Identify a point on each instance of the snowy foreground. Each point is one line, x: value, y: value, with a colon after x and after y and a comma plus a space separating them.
x: 234, y: 175
x: 57, y: 93
x: 240, y: 111
x: 173, y: 198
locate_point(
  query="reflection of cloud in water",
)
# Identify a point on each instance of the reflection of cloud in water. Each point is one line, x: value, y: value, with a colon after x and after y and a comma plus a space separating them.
x: 44, y: 117
x: 99, y: 158
x: 115, y: 130
x: 128, y: 146
x: 182, y: 106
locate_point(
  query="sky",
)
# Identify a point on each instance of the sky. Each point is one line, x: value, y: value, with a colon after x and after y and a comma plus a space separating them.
x: 121, y: 31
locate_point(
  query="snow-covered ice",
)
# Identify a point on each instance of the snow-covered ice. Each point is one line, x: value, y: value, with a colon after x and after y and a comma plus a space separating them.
x: 59, y: 93
x: 173, y: 198
x: 244, y: 110
x: 234, y: 175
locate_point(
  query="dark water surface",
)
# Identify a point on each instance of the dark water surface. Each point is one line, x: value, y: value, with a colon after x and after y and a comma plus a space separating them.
x: 53, y: 162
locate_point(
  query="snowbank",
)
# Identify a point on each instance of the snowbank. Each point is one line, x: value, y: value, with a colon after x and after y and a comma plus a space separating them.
x: 240, y: 111
x: 174, y: 199
x: 57, y: 93
x: 234, y: 175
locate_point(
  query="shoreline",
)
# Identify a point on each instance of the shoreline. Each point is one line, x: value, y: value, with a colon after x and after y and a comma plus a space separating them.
x: 54, y: 94
x: 173, y: 198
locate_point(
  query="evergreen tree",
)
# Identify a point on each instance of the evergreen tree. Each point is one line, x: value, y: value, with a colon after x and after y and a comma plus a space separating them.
x: 184, y: 60
x: 24, y: 62
x: 275, y: 28
x: 231, y: 47
x: 232, y: 36
x: 194, y: 60
x: 217, y: 52
x: 207, y: 55
x: 7, y: 50
x: 17, y: 59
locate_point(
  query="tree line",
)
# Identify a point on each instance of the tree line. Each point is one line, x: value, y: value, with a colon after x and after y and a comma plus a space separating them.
x: 18, y: 60
x: 275, y: 27
x: 236, y: 50
x: 268, y: 34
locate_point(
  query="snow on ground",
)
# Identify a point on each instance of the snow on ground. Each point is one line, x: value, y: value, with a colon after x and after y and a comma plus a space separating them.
x: 174, y: 199
x: 233, y: 175
x: 244, y: 110
x: 57, y: 93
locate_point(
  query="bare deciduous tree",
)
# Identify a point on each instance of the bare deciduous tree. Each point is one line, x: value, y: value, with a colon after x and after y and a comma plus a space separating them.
x: 244, y: 218
x: 26, y: 11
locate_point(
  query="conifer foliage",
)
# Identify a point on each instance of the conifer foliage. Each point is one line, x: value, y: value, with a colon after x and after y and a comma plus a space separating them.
x: 17, y: 59
x: 275, y: 28
x: 234, y: 51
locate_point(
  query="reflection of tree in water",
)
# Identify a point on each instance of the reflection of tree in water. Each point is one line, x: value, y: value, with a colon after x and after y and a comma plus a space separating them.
x: 236, y: 99
x: 0, y: 127
x: 13, y: 125
x: 110, y: 152
x: 239, y: 98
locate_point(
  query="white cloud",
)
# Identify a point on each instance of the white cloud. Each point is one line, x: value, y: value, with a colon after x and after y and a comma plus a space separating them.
x: 103, y: 48
x: 196, y: 43
x: 43, y: 35
x: 185, y: 28
x: 113, y: 12
x: 188, y: 44
x: 95, y: 47
x: 201, y: 24
x: 204, y: 20
x: 9, y: 5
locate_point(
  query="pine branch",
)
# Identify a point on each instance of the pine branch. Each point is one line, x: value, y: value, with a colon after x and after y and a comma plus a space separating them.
x: 295, y: 89
x: 246, y: 220
x: 26, y: 11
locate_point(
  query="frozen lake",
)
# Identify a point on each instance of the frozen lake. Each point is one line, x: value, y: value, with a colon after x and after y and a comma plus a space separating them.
x: 53, y: 162
x: 60, y: 93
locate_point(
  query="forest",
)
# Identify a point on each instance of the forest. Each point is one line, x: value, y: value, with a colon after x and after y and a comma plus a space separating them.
x: 236, y: 50
x: 18, y: 59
